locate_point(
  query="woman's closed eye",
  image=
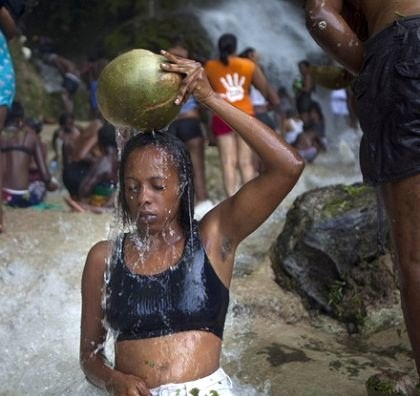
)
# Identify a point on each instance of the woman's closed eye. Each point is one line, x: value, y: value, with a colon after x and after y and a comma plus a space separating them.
x: 135, y: 189
x: 159, y: 187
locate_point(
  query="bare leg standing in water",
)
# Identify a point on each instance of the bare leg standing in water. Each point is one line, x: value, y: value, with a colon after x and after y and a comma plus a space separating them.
x: 388, y: 90
x: 226, y: 145
x: 402, y: 201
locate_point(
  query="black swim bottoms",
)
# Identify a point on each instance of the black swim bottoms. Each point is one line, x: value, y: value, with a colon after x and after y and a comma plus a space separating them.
x: 186, y: 129
x: 73, y: 175
x: 71, y: 83
x: 303, y: 102
x: 388, y: 103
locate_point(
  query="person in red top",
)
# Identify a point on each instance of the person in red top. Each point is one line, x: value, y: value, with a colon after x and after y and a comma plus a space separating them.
x: 231, y: 77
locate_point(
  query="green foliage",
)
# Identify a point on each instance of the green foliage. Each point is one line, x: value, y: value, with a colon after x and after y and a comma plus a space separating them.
x: 79, y: 26
x: 382, y: 387
x: 336, y: 293
x: 159, y: 33
x: 355, y: 189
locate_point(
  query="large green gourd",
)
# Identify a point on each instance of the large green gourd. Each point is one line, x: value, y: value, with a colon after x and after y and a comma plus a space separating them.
x: 133, y: 91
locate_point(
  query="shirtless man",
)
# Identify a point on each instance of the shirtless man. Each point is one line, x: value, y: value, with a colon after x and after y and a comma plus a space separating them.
x: 379, y: 40
x: 79, y: 150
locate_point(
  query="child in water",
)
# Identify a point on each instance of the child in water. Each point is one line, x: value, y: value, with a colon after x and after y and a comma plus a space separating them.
x: 167, y: 282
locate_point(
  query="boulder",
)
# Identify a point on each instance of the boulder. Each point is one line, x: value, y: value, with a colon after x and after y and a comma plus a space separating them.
x: 328, y: 252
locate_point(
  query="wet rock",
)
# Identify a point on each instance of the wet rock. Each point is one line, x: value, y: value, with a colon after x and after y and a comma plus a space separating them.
x: 328, y: 253
x: 392, y: 383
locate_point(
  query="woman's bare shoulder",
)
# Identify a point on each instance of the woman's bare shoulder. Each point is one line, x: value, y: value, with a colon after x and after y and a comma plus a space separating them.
x: 99, y: 252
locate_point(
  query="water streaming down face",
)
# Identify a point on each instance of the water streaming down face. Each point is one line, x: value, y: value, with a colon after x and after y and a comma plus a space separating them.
x: 163, y: 153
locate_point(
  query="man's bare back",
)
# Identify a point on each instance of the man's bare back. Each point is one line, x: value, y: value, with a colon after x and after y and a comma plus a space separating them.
x: 330, y: 23
x: 380, y: 13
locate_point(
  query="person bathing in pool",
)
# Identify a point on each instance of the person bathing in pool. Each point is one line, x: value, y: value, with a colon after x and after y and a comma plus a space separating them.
x: 168, y: 277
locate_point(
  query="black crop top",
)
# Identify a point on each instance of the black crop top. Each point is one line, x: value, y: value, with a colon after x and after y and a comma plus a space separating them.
x: 188, y: 296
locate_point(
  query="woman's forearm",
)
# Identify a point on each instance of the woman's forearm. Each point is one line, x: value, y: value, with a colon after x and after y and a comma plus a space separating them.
x: 97, y: 371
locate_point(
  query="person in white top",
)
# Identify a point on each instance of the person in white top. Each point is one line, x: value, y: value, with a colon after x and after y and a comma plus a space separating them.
x: 292, y: 126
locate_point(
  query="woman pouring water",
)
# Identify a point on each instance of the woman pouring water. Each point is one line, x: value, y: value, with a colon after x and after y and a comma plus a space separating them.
x: 168, y: 276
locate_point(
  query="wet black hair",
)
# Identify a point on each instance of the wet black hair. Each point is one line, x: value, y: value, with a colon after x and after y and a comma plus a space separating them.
x: 282, y: 91
x: 64, y: 118
x: 106, y: 136
x: 15, y: 113
x: 181, y: 159
x: 304, y: 62
x: 34, y: 123
x: 247, y: 52
x: 178, y: 41
x: 227, y: 46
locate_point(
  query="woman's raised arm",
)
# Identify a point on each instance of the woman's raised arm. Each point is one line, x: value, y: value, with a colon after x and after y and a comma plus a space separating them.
x: 238, y: 216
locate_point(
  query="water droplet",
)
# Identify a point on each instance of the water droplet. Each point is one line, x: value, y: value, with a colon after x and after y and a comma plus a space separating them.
x: 322, y: 25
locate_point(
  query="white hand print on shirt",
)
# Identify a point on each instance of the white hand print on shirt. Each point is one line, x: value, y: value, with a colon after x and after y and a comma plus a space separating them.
x: 234, y: 87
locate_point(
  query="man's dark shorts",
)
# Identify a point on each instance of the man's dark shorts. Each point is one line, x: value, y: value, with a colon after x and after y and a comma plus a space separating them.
x: 303, y: 102
x: 388, y: 101
x: 186, y: 129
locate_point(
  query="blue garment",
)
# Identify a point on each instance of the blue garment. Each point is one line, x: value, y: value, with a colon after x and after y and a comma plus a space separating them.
x: 7, y: 74
x: 93, y: 85
x: 190, y: 104
x: 188, y: 296
x: 22, y: 199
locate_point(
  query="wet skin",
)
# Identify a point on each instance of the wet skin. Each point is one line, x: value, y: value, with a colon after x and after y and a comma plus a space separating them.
x: 330, y: 30
x: 401, y: 198
x: 16, y: 163
x: 152, y: 194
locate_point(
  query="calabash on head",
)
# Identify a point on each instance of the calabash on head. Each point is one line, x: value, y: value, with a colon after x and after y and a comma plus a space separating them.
x: 133, y: 91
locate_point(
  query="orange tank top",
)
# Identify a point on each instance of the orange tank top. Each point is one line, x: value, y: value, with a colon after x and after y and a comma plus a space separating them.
x: 232, y: 81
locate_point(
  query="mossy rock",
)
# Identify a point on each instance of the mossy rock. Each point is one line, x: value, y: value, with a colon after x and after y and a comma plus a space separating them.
x: 389, y: 383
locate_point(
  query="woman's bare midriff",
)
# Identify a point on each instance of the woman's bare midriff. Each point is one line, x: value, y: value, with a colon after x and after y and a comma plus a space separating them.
x: 179, y: 357
x: 381, y: 13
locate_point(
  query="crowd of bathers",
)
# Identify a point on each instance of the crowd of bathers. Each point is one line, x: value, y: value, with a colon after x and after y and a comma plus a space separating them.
x: 81, y: 158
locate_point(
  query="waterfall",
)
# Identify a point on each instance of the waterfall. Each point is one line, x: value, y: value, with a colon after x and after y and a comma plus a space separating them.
x: 275, y: 28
